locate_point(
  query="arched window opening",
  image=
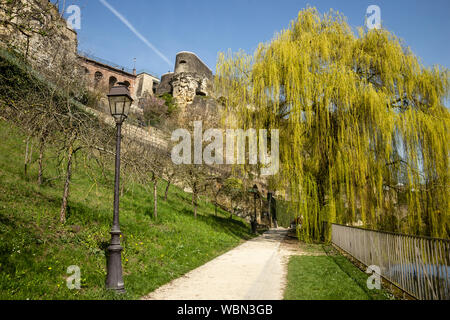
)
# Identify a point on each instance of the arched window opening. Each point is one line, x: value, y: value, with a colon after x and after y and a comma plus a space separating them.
x: 98, y: 76
x: 112, y: 81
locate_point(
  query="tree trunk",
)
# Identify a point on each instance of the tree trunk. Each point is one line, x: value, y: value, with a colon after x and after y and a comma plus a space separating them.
x: 194, y: 202
x: 319, y: 233
x: 28, y: 47
x: 62, y: 216
x: 25, y: 168
x: 41, y: 157
x: 155, y: 198
x: 195, y: 210
x: 231, y: 209
x: 166, y: 192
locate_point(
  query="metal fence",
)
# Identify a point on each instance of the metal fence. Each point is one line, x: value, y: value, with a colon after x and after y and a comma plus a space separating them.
x: 115, y: 65
x: 104, y: 61
x: 417, y: 265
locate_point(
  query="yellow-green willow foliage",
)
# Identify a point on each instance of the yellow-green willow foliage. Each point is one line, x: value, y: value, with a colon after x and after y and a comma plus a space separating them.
x: 363, y: 126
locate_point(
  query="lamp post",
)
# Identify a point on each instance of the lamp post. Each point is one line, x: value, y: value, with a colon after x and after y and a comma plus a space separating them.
x: 119, y: 105
x: 269, y: 202
x: 254, y: 190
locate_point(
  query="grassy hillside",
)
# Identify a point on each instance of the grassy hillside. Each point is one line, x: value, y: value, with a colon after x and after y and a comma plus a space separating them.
x: 35, y: 250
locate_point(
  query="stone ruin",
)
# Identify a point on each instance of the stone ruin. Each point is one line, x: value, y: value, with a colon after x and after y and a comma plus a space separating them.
x: 191, y: 78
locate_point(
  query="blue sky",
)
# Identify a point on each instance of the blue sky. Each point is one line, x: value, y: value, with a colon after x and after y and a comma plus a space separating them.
x: 207, y: 27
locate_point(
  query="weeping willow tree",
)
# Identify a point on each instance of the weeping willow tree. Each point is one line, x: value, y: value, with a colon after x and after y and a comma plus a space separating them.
x: 362, y: 123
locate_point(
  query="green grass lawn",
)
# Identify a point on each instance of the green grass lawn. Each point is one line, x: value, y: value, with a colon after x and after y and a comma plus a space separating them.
x: 327, y: 277
x: 36, y: 250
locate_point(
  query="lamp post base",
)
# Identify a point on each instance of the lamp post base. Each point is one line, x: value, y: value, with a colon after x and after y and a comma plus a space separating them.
x: 114, y: 279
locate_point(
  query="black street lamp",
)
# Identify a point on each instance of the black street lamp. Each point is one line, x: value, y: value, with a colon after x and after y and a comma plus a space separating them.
x: 253, y: 222
x: 269, y: 203
x: 119, y: 105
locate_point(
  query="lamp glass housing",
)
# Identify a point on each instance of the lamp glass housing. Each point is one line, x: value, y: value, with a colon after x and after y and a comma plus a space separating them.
x: 119, y: 107
x: 119, y: 102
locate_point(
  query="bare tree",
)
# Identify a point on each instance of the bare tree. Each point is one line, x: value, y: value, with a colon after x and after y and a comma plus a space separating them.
x: 169, y: 175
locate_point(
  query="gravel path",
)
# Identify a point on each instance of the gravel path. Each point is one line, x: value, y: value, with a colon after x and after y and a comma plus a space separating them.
x: 255, y: 270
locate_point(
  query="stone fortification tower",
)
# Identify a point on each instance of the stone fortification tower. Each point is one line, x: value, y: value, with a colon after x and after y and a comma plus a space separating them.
x: 191, y: 78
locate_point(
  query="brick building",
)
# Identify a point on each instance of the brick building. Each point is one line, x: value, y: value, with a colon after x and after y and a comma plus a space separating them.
x: 102, y: 75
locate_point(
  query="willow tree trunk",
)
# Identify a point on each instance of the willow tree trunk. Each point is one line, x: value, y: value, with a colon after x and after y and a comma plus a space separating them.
x: 62, y: 215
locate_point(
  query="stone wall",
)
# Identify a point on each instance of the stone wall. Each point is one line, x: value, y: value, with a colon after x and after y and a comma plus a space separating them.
x: 38, y: 32
x: 188, y: 62
x: 149, y: 135
x: 165, y: 86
